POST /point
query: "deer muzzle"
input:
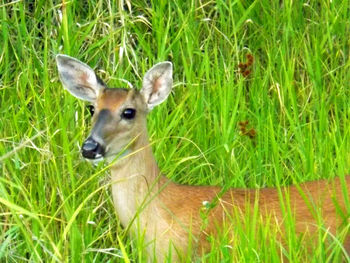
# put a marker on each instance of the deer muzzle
(92, 148)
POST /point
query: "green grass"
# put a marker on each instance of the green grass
(56, 207)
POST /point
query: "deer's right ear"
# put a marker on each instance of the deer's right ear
(157, 84)
(78, 78)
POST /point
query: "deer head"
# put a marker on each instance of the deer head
(119, 114)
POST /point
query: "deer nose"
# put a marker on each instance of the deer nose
(91, 149)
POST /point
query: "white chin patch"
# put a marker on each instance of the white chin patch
(99, 158)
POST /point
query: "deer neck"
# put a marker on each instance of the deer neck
(134, 177)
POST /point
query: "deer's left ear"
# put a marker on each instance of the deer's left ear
(157, 84)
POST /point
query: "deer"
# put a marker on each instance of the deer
(167, 211)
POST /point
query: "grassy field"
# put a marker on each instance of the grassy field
(295, 95)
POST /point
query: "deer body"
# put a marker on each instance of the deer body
(169, 214)
(174, 210)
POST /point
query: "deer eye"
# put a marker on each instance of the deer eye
(91, 109)
(128, 113)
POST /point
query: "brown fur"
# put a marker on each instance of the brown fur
(185, 203)
(166, 212)
(111, 98)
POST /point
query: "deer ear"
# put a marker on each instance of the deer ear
(78, 78)
(157, 84)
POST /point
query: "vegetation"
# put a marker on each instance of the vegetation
(283, 66)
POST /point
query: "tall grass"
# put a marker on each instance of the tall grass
(56, 207)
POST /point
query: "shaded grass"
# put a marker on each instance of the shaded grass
(296, 98)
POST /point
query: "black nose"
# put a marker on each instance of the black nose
(91, 149)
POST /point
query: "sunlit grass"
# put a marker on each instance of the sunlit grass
(56, 207)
